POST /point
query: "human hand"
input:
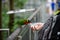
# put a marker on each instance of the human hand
(37, 26)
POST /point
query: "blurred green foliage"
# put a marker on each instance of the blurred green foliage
(18, 4)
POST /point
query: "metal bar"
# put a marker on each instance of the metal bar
(34, 13)
(5, 30)
(19, 11)
(14, 35)
(30, 34)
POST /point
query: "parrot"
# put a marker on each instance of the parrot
(23, 22)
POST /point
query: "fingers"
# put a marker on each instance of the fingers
(33, 28)
(37, 26)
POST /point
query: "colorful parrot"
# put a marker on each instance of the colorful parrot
(23, 22)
